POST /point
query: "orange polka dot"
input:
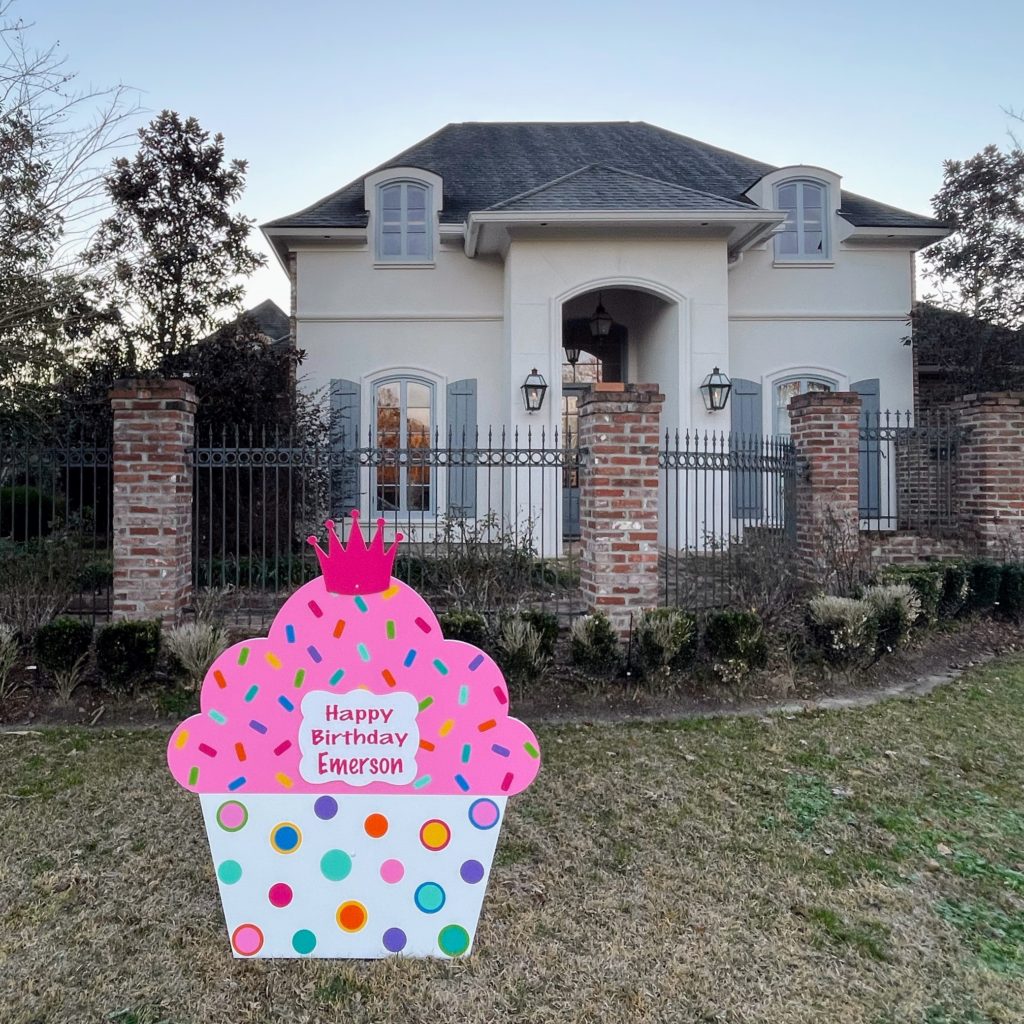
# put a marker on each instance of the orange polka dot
(351, 916)
(376, 825)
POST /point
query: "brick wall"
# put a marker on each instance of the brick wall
(885, 547)
(152, 516)
(825, 430)
(619, 435)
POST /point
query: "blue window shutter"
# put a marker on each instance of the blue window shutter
(345, 440)
(870, 490)
(462, 441)
(745, 444)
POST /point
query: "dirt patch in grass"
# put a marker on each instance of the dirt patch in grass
(856, 866)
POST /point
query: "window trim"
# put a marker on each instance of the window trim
(404, 378)
(404, 258)
(824, 258)
(778, 380)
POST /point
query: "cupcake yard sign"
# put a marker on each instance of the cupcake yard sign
(353, 768)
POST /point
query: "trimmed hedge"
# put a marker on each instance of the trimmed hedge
(1011, 593)
(61, 643)
(126, 651)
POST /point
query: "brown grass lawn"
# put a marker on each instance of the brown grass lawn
(859, 866)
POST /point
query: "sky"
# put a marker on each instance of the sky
(313, 94)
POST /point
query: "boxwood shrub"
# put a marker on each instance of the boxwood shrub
(927, 584)
(62, 642)
(985, 579)
(1011, 593)
(956, 590)
(843, 629)
(470, 627)
(736, 643)
(594, 644)
(126, 651)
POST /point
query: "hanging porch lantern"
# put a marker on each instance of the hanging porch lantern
(715, 390)
(600, 322)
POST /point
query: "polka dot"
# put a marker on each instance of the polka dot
(232, 816)
(335, 865)
(303, 942)
(453, 940)
(376, 825)
(351, 916)
(285, 837)
(394, 940)
(429, 897)
(484, 813)
(435, 834)
(247, 940)
(471, 871)
(325, 808)
(392, 871)
(229, 872)
(280, 894)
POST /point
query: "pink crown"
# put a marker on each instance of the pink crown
(357, 569)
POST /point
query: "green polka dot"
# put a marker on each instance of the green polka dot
(304, 942)
(453, 940)
(335, 864)
(229, 872)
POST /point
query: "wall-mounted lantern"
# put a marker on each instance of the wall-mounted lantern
(572, 353)
(534, 388)
(715, 390)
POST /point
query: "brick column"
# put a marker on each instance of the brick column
(990, 472)
(619, 433)
(153, 431)
(825, 433)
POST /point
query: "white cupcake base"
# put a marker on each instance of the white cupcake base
(351, 875)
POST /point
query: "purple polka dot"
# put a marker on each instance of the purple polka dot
(472, 871)
(325, 808)
(394, 940)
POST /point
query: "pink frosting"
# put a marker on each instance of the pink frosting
(246, 738)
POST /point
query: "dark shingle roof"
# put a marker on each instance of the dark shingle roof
(484, 164)
(598, 187)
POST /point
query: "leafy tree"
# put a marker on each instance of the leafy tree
(175, 250)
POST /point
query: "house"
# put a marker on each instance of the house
(426, 291)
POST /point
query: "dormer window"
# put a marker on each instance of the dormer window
(804, 235)
(404, 222)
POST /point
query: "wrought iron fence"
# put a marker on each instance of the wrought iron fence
(483, 517)
(56, 501)
(727, 515)
(908, 468)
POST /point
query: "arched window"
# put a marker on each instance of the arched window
(786, 390)
(804, 235)
(404, 228)
(403, 420)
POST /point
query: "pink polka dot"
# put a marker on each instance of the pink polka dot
(280, 894)
(247, 939)
(392, 871)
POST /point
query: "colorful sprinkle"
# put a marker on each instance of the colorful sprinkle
(314, 654)
(425, 626)
(462, 783)
(247, 940)
(285, 837)
(299, 677)
(388, 677)
(315, 609)
(243, 655)
(258, 726)
(205, 748)
(423, 780)
(240, 751)
(325, 808)
(499, 692)
(232, 816)
(466, 751)
(303, 942)
(336, 678)
(285, 703)
(251, 692)
(435, 834)
(285, 780)
(471, 871)
(182, 739)
(363, 652)
(489, 724)
(476, 663)
(391, 629)
(394, 940)
(390, 593)
(376, 826)
(500, 750)
(219, 677)
(426, 745)
(272, 660)
(229, 872)
(425, 703)
(531, 750)
(193, 775)
(361, 605)
(507, 782)
(351, 916)
(237, 783)
(218, 717)
(484, 814)
(463, 694)
(335, 865)
(339, 628)
(453, 940)
(441, 666)
(392, 871)
(289, 634)
(447, 727)
(409, 659)
(280, 894)
(429, 897)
